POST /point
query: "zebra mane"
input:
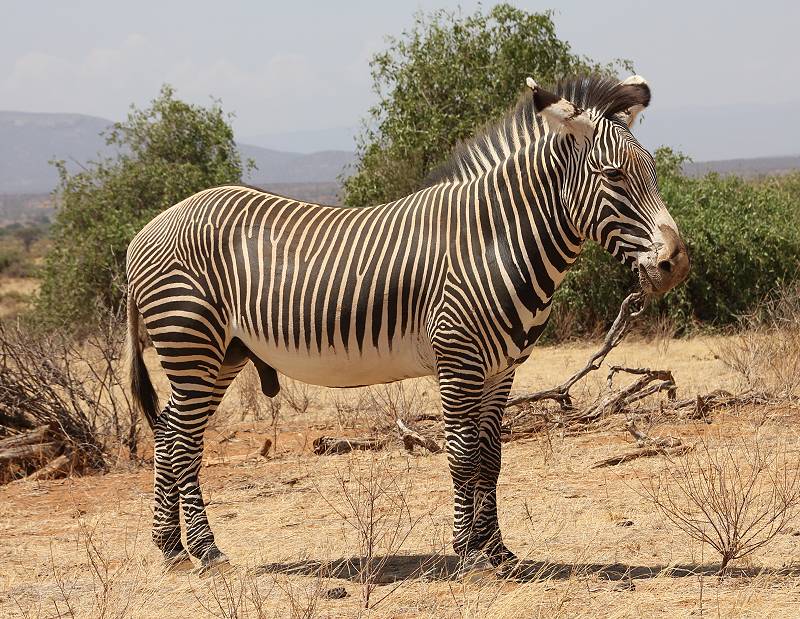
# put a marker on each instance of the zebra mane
(494, 141)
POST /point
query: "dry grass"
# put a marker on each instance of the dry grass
(765, 353)
(80, 547)
(16, 294)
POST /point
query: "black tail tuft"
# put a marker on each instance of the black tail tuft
(141, 387)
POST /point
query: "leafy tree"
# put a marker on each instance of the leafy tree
(442, 80)
(166, 153)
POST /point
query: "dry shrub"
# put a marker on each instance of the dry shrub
(110, 581)
(733, 494)
(393, 401)
(662, 332)
(235, 594)
(766, 349)
(352, 407)
(251, 398)
(296, 395)
(303, 602)
(373, 502)
(76, 388)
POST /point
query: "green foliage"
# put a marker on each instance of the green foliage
(8, 259)
(743, 239)
(441, 81)
(16, 242)
(166, 153)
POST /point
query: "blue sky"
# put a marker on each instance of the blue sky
(288, 67)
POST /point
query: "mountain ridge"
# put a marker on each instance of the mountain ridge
(30, 140)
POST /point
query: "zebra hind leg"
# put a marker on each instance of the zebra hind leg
(192, 404)
(166, 498)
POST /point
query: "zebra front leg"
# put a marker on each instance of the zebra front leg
(166, 499)
(486, 526)
(461, 399)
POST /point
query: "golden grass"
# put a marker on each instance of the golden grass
(16, 294)
(81, 547)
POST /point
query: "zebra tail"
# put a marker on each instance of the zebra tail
(144, 394)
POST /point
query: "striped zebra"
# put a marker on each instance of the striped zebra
(455, 280)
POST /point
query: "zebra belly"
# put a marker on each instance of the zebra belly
(333, 367)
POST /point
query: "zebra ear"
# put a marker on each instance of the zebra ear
(636, 93)
(559, 113)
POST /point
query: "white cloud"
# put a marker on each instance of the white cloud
(284, 92)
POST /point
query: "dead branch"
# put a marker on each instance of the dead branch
(37, 454)
(29, 453)
(699, 406)
(58, 467)
(642, 440)
(642, 452)
(326, 445)
(411, 437)
(618, 401)
(628, 311)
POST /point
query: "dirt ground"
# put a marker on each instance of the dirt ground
(592, 545)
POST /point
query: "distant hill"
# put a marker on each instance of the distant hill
(274, 166)
(25, 208)
(748, 168)
(28, 141)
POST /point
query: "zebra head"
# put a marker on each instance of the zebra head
(610, 187)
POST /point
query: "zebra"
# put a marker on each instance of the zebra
(455, 280)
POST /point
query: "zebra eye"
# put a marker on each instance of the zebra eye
(613, 174)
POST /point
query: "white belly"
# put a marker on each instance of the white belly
(333, 367)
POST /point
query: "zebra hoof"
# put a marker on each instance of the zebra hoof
(505, 561)
(177, 561)
(473, 567)
(214, 561)
(509, 569)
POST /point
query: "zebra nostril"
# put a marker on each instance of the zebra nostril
(665, 265)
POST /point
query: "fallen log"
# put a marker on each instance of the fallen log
(411, 438)
(37, 435)
(30, 453)
(326, 445)
(58, 467)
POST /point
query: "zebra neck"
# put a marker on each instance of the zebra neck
(521, 201)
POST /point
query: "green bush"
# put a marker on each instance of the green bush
(441, 80)
(166, 153)
(743, 239)
(8, 259)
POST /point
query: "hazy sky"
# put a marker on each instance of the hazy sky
(298, 65)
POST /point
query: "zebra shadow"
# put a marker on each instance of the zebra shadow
(437, 567)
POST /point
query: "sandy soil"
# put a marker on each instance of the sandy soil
(592, 545)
